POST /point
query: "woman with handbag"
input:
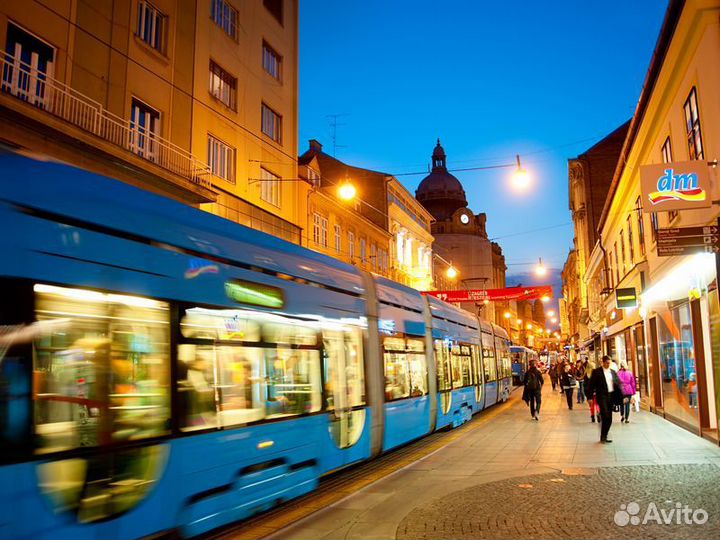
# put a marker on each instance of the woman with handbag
(627, 385)
(568, 384)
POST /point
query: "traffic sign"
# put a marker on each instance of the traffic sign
(688, 240)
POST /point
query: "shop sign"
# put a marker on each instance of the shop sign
(493, 295)
(614, 316)
(626, 298)
(688, 240)
(683, 185)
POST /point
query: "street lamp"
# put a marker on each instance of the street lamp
(540, 269)
(347, 191)
(519, 322)
(520, 178)
(550, 313)
(553, 320)
(507, 314)
(451, 272)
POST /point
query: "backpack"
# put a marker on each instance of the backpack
(532, 383)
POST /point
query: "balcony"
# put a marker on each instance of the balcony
(139, 145)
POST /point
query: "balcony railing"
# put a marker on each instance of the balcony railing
(42, 90)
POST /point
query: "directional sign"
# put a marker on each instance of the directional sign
(688, 240)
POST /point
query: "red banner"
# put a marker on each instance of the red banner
(493, 295)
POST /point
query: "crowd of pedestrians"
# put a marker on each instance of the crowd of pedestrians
(606, 388)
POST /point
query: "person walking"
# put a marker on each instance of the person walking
(553, 377)
(532, 393)
(592, 403)
(568, 383)
(559, 372)
(579, 374)
(627, 383)
(605, 388)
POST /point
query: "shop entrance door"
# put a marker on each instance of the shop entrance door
(654, 364)
(700, 373)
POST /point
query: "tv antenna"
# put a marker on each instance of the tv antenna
(334, 124)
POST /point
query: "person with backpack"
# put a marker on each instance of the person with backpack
(532, 393)
(553, 376)
(568, 384)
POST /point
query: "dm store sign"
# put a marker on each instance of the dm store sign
(675, 186)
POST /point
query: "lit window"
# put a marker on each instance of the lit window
(269, 187)
(221, 159)
(363, 250)
(351, 244)
(320, 230)
(272, 61)
(271, 123)
(692, 126)
(151, 25)
(338, 239)
(223, 86)
(405, 368)
(144, 128)
(225, 16)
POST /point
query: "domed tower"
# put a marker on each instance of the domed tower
(440, 192)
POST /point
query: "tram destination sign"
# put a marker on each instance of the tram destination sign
(688, 240)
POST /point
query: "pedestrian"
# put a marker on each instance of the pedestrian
(568, 383)
(579, 374)
(604, 386)
(553, 377)
(592, 403)
(627, 383)
(559, 372)
(532, 393)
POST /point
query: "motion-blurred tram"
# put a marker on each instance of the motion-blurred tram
(520, 357)
(165, 369)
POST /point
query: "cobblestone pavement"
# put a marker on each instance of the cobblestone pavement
(591, 505)
(516, 478)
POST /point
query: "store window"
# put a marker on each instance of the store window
(238, 367)
(405, 368)
(677, 362)
(103, 375)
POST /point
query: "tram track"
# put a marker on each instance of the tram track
(344, 483)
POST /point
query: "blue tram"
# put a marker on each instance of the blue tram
(164, 369)
(521, 357)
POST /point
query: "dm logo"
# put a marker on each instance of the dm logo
(677, 187)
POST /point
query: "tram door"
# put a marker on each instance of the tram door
(478, 368)
(345, 385)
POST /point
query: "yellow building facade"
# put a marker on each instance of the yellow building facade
(672, 340)
(196, 100)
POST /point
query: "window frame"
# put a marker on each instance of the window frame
(268, 51)
(221, 23)
(405, 338)
(230, 158)
(641, 226)
(270, 187)
(277, 11)
(276, 121)
(693, 131)
(320, 230)
(158, 41)
(220, 79)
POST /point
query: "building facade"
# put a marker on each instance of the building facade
(461, 239)
(193, 99)
(672, 339)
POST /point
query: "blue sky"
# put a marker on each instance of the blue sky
(545, 80)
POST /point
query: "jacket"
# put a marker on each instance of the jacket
(567, 380)
(532, 372)
(597, 386)
(627, 382)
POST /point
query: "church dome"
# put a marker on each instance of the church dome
(440, 192)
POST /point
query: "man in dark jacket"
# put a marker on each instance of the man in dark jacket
(532, 393)
(604, 385)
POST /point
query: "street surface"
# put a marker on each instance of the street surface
(514, 478)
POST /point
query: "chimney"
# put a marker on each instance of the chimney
(315, 145)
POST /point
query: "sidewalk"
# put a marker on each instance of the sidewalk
(516, 478)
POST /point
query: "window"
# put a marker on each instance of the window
(236, 367)
(272, 61)
(462, 372)
(667, 158)
(622, 252)
(351, 244)
(617, 265)
(28, 64)
(373, 256)
(271, 123)
(363, 250)
(269, 187)
(631, 247)
(225, 16)
(338, 239)
(320, 230)
(692, 127)
(275, 7)
(103, 375)
(313, 176)
(223, 86)
(144, 128)
(221, 159)
(503, 358)
(151, 25)
(405, 368)
(488, 351)
(654, 224)
(640, 225)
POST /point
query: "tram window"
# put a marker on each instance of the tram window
(462, 366)
(397, 380)
(504, 364)
(248, 381)
(102, 374)
(489, 366)
(417, 367)
(442, 355)
(476, 356)
(344, 371)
